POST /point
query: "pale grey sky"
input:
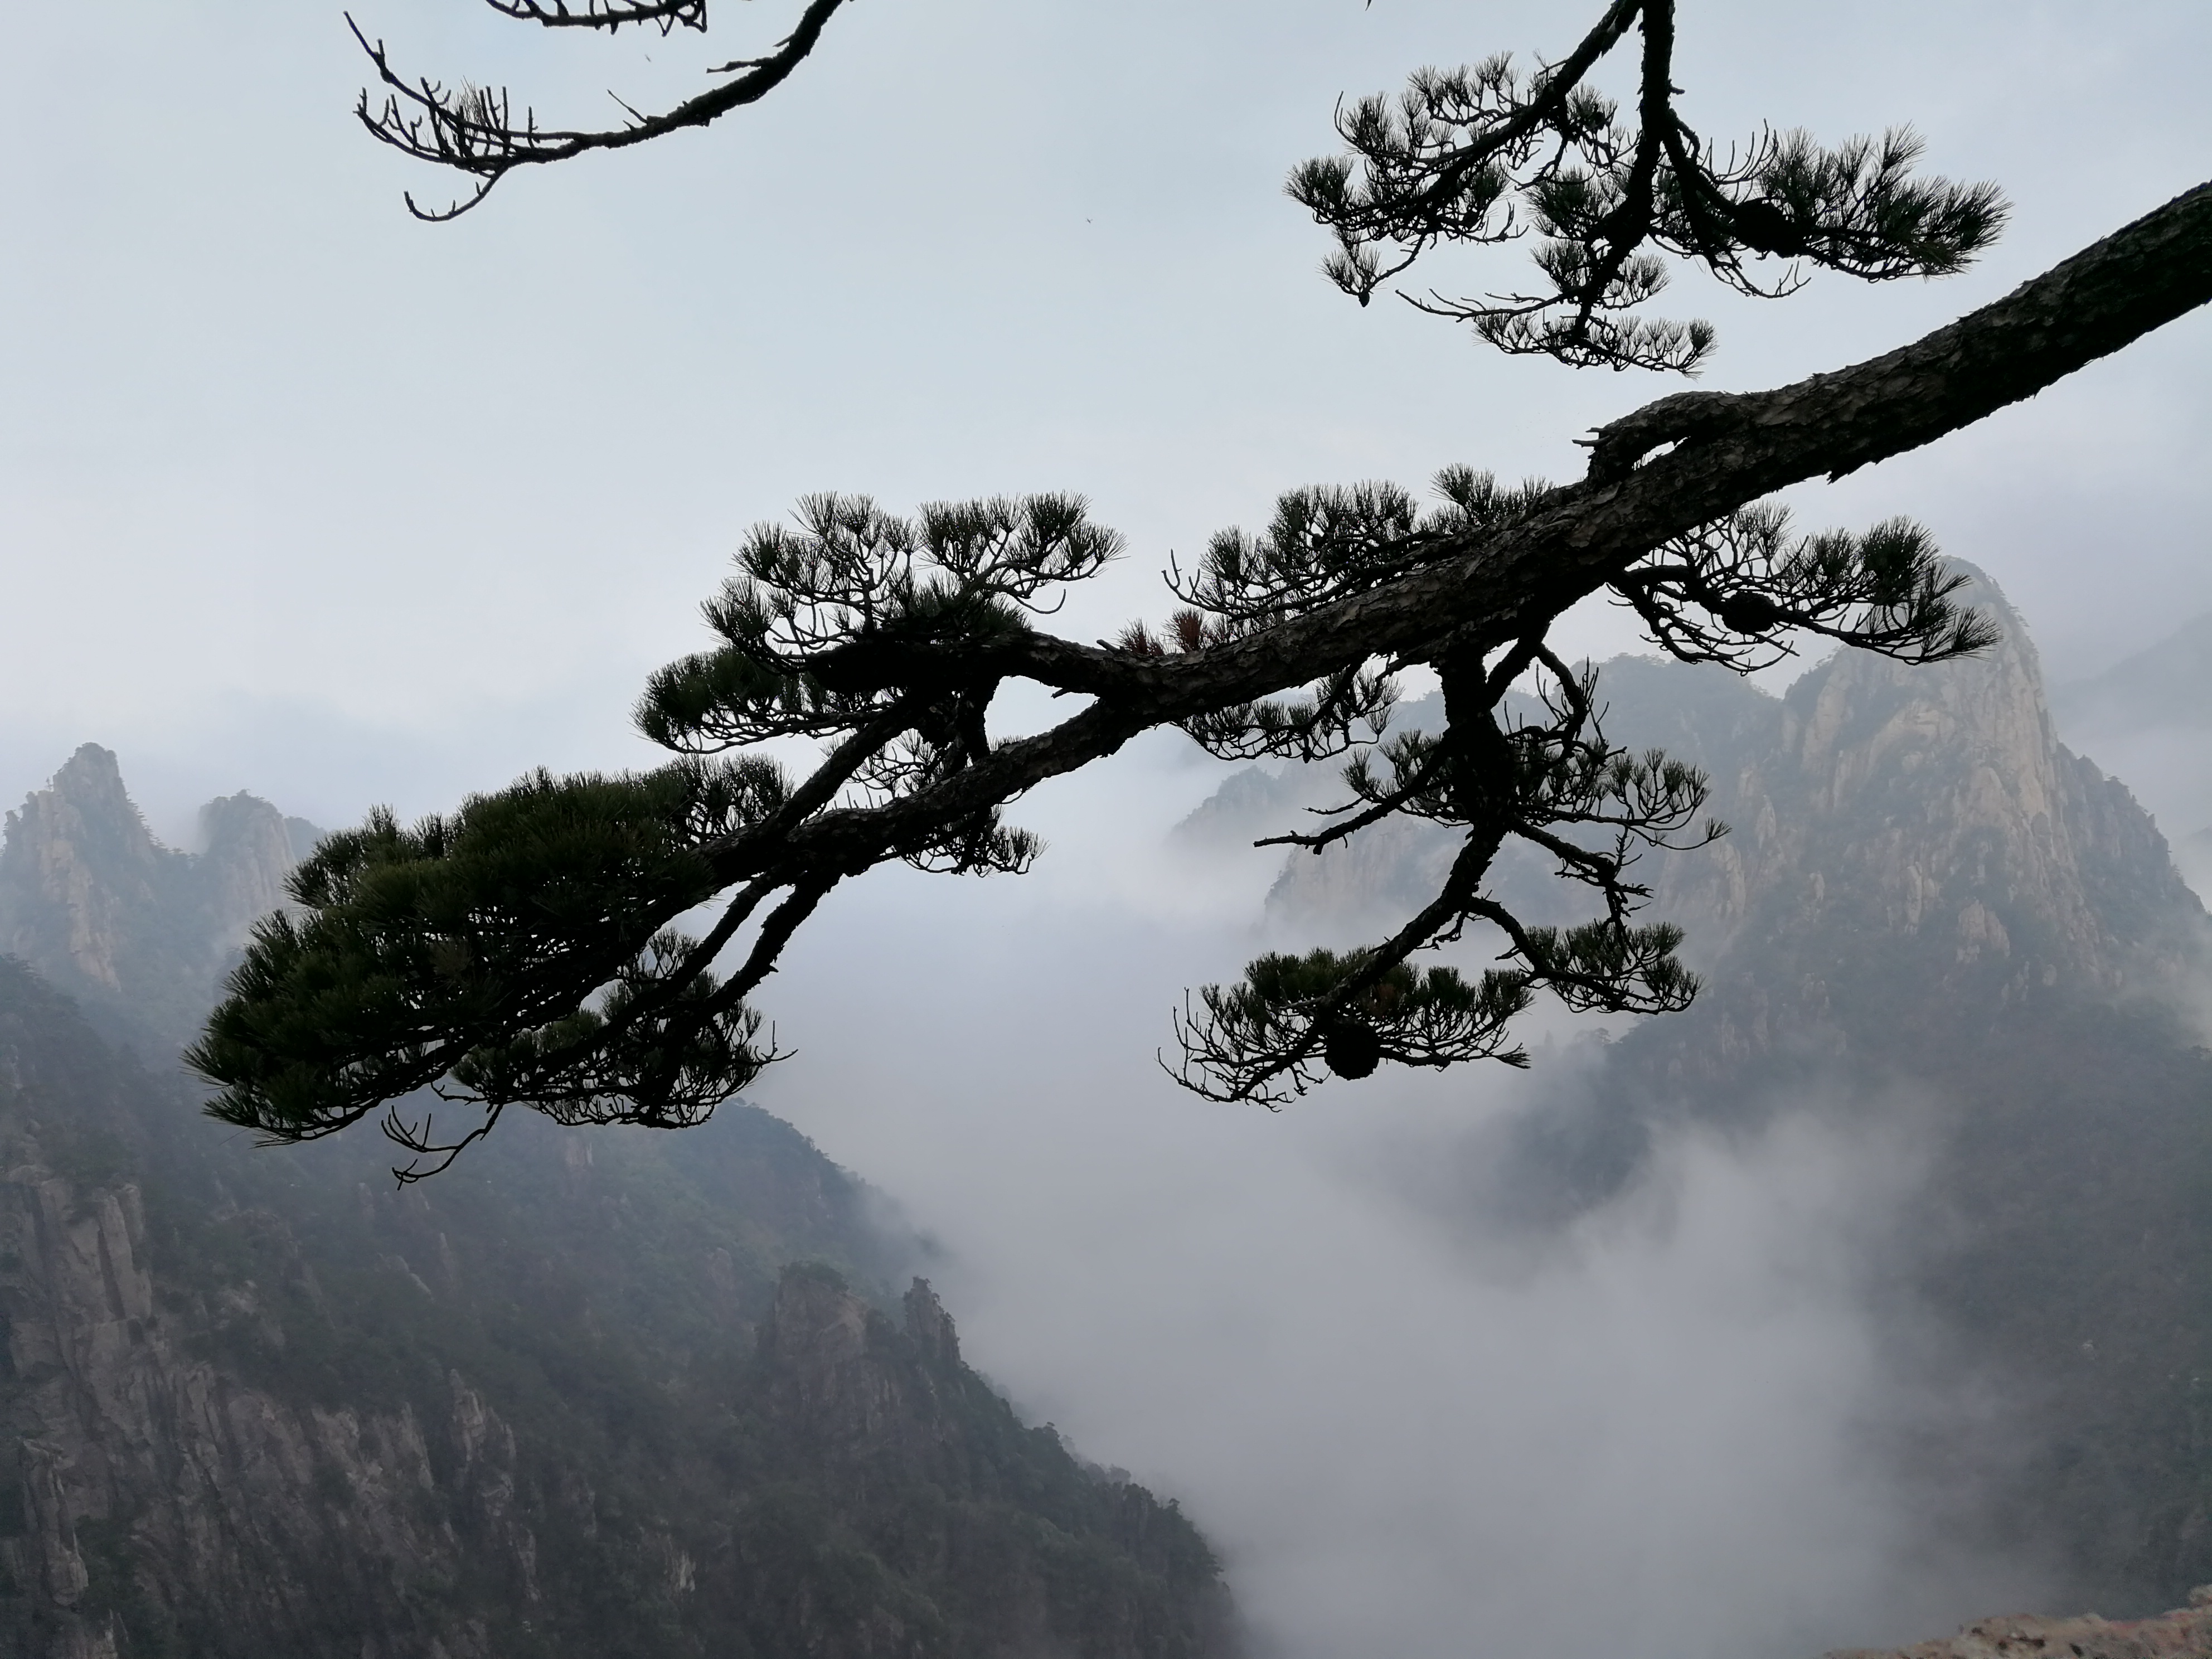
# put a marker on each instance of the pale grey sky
(299, 494)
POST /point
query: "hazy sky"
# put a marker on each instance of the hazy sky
(301, 495)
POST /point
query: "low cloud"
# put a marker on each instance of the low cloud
(1688, 1424)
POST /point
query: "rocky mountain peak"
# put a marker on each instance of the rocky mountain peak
(929, 1326)
(140, 931)
(78, 860)
(1929, 819)
(250, 850)
(87, 794)
(857, 1386)
(1864, 710)
(1889, 825)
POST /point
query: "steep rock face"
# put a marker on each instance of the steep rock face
(250, 847)
(255, 1407)
(1924, 827)
(80, 870)
(1890, 826)
(933, 1471)
(1926, 889)
(137, 931)
(1930, 908)
(165, 1505)
(572, 1399)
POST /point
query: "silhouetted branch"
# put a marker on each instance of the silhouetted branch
(1487, 154)
(474, 130)
(520, 951)
(523, 951)
(607, 15)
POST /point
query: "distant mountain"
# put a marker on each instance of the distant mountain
(2151, 717)
(1347, 893)
(589, 1396)
(138, 931)
(2166, 684)
(1920, 815)
(1915, 848)
(1924, 896)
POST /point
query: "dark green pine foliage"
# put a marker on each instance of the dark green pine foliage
(464, 937)
(1491, 151)
(523, 951)
(1522, 765)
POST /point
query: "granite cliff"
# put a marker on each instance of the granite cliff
(586, 1394)
(1916, 847)
(137, 932)
(1926, 820)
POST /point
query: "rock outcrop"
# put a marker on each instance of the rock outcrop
(274, 1410)
(164, 1499)
(2183, 1633)
(140, 932)
(1889, 826)
(1928, 822)
(1929, 911)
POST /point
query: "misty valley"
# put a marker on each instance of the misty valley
(1870, 1295)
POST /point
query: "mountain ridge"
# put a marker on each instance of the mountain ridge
(588, 1393)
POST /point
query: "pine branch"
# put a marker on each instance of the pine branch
(522, 950)
(1485, 153)
(474, 130)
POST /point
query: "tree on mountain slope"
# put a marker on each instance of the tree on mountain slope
(521, 952)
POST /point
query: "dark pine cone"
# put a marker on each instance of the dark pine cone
(1351, 1049)
(1748, 613)
(1767, 228)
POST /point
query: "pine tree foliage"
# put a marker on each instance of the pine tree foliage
(586, 947)
(1491, 153)
(446, 957)
(1555, 783)
(1734, 590)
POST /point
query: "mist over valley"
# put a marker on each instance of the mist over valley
(1858, 1301)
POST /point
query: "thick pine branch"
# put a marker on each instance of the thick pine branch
(1730, 450)
(936, 643)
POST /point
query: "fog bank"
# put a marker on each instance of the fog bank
(1683, 1427)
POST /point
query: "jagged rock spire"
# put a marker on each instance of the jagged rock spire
(137, 929)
